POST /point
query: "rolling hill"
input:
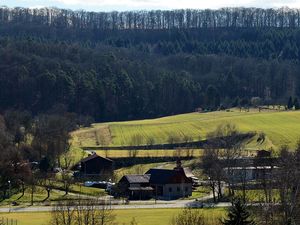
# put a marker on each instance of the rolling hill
(280, 127)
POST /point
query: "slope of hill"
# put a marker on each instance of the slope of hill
(132, 65)
(280, 128)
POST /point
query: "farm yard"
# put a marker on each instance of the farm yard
(280, 128)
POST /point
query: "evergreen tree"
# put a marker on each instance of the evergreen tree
(236, 102)
(296, 104)
(238, 215)
(290, 103)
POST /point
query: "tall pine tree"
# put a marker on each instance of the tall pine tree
(296, 104)
(238, 215)
(290, 103)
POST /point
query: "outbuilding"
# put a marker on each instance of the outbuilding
(95, 166)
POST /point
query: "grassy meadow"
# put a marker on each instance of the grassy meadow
(280, 127)
(142, 216)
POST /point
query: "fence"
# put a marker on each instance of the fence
(6, 221)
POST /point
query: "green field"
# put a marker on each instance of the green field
(150, 153)
(282, 127)
(142, 216)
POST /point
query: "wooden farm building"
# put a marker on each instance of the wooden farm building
(95, 166)
(136, 187)
(157, 183)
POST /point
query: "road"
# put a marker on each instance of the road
(133, 205)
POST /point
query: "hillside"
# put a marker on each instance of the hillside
(124, 66)
(280, 128)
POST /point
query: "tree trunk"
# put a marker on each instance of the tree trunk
(23, 192)
(48, 193)
(220, 189)
(214, 192)
(32, 190)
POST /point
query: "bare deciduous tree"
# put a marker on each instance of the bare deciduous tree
(187, 138)
(136, 140)
(173, 138)
(67, 180)
(213, 169)
(226, 136)
(190, 216)
(150, 141)
(288, 182)
(83, 212)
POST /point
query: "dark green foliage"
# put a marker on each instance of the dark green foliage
(290, 103)
(45, 165)
(99, 71)
(296, 104)
(238, 215)
(212, 97)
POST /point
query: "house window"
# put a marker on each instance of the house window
(178, 189)
(170, 189)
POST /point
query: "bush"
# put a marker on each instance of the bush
(190, 216)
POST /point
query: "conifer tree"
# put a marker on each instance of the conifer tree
(296, 104)
(290, 103)
(238, 215)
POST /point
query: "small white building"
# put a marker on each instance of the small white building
(249, 173)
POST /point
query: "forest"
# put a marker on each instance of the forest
(134, 65)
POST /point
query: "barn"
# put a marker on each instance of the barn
(95, 166)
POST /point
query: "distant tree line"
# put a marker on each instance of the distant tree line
(157, 19)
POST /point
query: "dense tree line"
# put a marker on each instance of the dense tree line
(91, 82)
(242, 32)
(158, 19)
(109, 83)
(54, 57)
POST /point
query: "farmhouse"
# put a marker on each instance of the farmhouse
(170, 184)
(136, 187)
(158, 183)
(95, 166)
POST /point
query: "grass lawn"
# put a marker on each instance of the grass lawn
(258, 195)
(200, 192)
(142, 216)
(40, 194)
(78, 188)
(280, 127)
